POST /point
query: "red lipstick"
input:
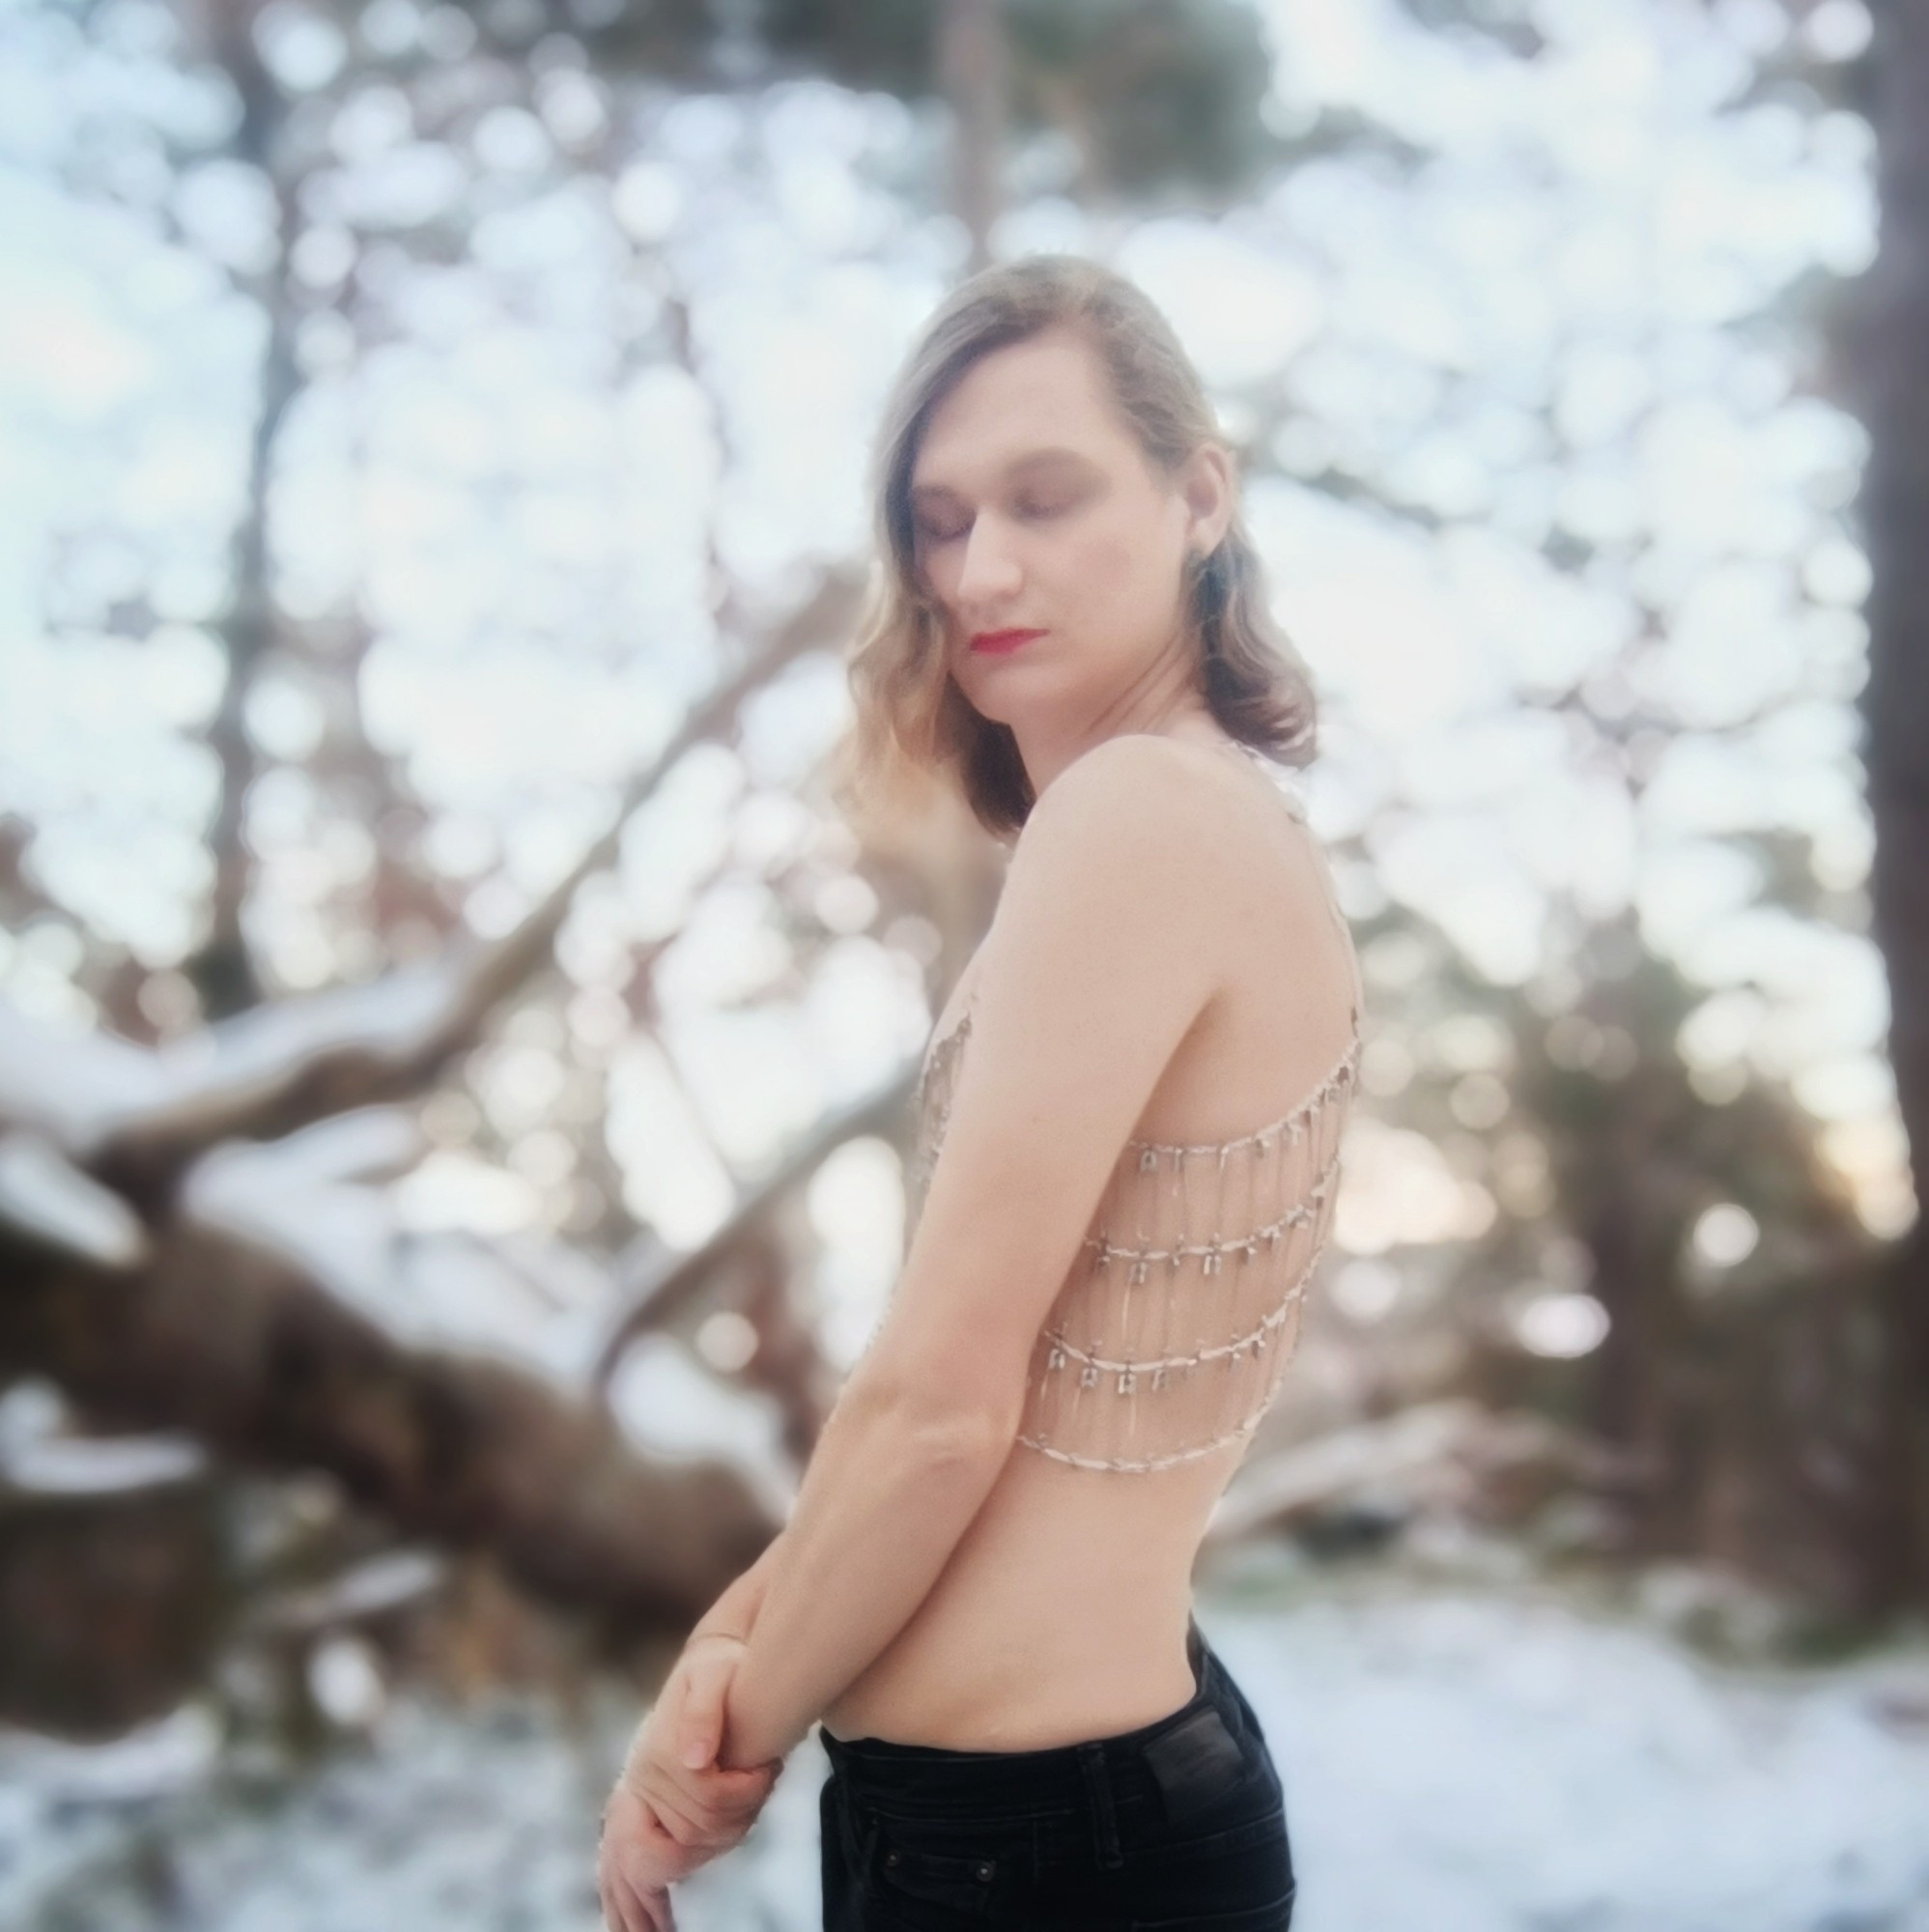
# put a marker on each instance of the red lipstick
(999, 642)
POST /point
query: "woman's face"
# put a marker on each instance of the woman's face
(1033, 508)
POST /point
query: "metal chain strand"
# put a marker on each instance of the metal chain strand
(1215, 1243)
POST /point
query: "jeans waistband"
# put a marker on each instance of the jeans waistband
(908, 1777)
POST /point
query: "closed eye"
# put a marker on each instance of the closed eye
(1033, 511)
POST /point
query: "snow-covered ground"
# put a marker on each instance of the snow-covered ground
(1456, 1759)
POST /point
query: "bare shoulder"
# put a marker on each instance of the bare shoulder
(1191, 847)
(1138, 799)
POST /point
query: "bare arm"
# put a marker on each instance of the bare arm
(884, 1503)
(730, 1619)
(735, 1611)
(1081, 1002)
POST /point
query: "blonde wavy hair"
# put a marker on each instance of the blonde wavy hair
(913, 723)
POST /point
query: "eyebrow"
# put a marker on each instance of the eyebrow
(1032, 459)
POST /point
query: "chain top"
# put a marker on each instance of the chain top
(1170, 1334)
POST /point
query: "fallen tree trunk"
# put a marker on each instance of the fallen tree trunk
(235, 1346)
(1450, 1454)
(151, 1317)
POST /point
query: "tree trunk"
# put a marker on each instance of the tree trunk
(237, 1347)
(972, 66)
(1885, 362)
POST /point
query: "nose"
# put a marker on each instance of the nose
(989, 573)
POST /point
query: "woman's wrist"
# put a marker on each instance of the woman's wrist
(734, 1612)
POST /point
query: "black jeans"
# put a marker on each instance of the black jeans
(1181, 1824)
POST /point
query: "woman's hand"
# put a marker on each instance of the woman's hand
(674, 1760)
(674, 1808)
(635, 1865)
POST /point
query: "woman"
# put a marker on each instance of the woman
(1129, 1127)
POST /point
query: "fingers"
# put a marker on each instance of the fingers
(653, 1908)
(620, 1911)
(709, 1808)
(649, 1907)
(716, 1808)
(690, 1829)
(638, 1844)
(698, 1727)
(675, 1805)
(698, 1824)
(665, 1857)
(688, 1806)
(712, 1792)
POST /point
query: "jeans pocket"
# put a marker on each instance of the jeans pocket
(956, 1869)
(1202, 1848)
(843, 1858)
(1234, 1878)
(1276, 1916)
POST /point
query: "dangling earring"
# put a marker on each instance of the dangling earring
(1210, 575)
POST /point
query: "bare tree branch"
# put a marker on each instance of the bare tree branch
(267, 1073)
(663, 1296)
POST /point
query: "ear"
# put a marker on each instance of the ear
(1210, 490)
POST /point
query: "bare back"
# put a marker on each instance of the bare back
(1062, 1613)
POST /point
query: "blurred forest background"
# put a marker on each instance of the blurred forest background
(454, 1055)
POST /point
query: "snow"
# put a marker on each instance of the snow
(109, 1466)
(369, 1588)
(44, 1196)
(70, 1084)
(525, 1296)
(80, 1087)
(1455, 1758)
(38, 1456)
(1462, 1764)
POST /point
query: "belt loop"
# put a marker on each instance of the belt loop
(1099, 1782)
(859, 1830)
